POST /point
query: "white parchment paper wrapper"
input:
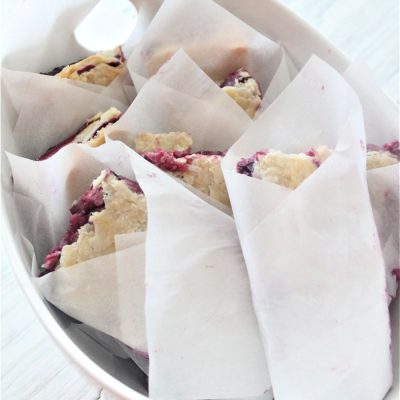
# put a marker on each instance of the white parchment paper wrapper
(284, 74)
(199, 315)
(130, 244)
(313, 254)
(49, 110)
(381, 118)
(97, 292)
(216, 40)
(211, 361)
(47, 41)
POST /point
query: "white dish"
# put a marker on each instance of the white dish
(121, 377)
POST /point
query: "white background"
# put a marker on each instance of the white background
(33, 368)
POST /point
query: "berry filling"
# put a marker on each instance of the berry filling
(236, 77)
(393, 148)
(90, 201)
(176, 161)
(86, 68)
(396, 273)
(312, 153)
(167, 161)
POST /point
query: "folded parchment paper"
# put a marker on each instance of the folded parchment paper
(199, 315)
(313, 254)
(202, 333)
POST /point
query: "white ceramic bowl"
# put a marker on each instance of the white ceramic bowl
(121, 377)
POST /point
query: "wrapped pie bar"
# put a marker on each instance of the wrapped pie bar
(100, 69)
(113, 205)
(91, 133)
(82, 275)
(310, 241)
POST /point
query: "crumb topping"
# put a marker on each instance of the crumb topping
(180, 143)
(289, 170)
(204, 173)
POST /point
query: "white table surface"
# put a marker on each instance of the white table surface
(33, 367)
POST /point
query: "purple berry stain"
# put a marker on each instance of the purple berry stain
(396, 273)
(246, 165)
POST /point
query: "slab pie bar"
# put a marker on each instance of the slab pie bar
(244, 89)
(171, 152)
(290, 170)
(113, 205)
(100, 68)
(91, 133)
